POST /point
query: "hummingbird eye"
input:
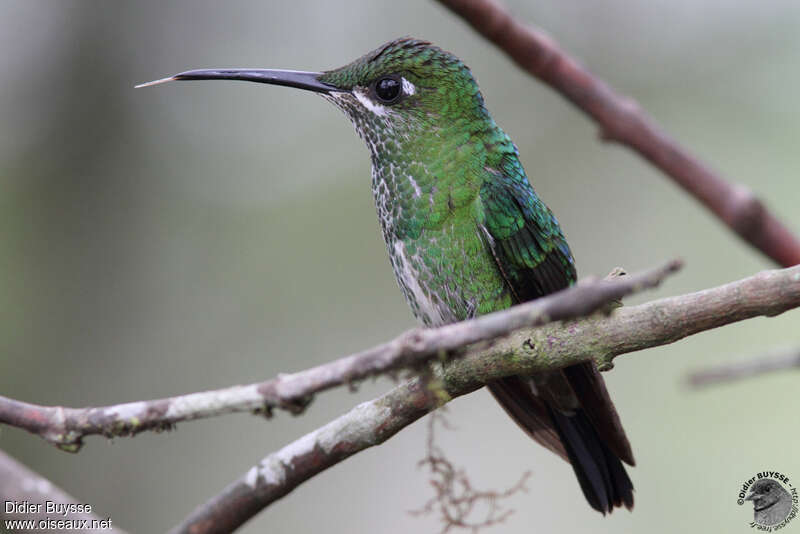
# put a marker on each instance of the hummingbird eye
(387, 89)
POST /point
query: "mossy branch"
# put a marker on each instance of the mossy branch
(66, 427)
(529, 350)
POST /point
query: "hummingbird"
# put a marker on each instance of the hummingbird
(466, 233)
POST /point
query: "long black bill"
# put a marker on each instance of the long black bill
(289, 78)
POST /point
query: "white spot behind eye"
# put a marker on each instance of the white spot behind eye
(408, 87)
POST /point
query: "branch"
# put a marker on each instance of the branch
(621, 120)
(66, 427)
(737, 371)
(524, 352)
(19, 484)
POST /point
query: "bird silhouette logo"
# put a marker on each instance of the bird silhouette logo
(775, 500)
(771, 503)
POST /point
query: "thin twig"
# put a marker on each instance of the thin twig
(731, 372)
(526, 351)
(455, 498)
(25, 496)
(621, 120)
(66, 427)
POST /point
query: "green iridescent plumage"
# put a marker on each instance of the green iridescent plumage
(450, 190)
(466, 233)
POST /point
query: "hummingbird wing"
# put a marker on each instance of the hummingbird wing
(573, 405)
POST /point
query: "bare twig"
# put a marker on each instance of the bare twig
(621, 120)
(739, 370)
(28, 494)
(526, 351)
(455, 498)
(66, 427)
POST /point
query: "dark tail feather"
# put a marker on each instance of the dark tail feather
(600, 472)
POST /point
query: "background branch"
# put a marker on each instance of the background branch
(621, 120)
(739, 370)
(18, 483)
(66, 427)
(526, 351)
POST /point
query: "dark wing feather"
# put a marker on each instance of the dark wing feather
(601, 412)
(534, 259)
(526, 239)
(517, 253)
(528, 411)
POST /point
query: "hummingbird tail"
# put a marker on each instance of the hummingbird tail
(600, 472)
(586, 437)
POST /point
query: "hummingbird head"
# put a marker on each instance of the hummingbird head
(406, 92)
(406, 89)
(423, 118)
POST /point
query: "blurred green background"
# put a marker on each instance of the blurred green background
(193, 236)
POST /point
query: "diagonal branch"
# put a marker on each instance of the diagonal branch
(621, 120)
(66, 427)
(28, 492)
(525, 351)
(736, 371)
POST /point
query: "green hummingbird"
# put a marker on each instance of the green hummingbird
(466, 233)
